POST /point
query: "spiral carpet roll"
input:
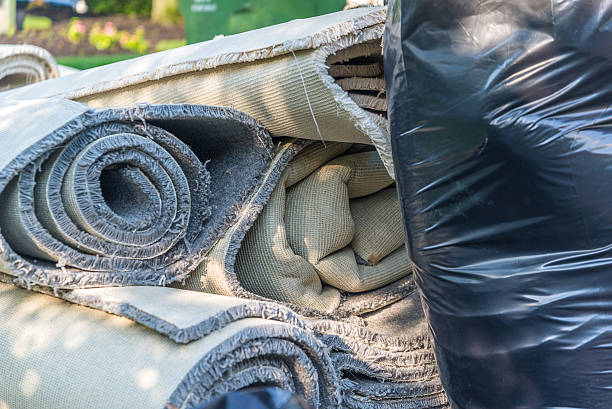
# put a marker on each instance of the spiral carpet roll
(150, 194)
(229, 345)
(25, 64)
(121, 196)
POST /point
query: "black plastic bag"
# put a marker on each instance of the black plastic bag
(258, 398)
(501, 124)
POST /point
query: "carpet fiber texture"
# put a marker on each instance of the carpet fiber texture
(385, 359)
(105, 201)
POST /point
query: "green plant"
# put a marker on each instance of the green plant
(136, 42)
(108, 37)
(131, 7)
(103, 38)
(36, 23)
(76, 31)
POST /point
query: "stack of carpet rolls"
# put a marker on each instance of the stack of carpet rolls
(329, 244)
(298, 242)
(294, 94)
(97, 203)
(25, 64)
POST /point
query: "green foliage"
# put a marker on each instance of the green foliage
(76, 31)
(108, 38)
(136, 43)
(36, 23)
(131, 7)
(103, 38)
(165, 12)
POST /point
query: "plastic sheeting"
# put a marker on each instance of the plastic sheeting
(502, 140)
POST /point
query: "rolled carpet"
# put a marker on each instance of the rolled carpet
(331, 224)
(24, 64)
(124, 196)
(385, 359)
(53, 351)
(285, 76)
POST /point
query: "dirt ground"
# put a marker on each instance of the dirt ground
(55, 40)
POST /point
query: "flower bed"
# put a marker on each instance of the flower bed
(114, 34)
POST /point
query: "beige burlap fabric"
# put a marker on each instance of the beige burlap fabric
(376, 237)
(268, 266)
(320, 224)
(306, 245)
(54, 354)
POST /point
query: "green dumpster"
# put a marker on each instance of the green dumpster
(204, 19)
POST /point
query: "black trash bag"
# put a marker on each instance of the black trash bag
(259, 398)
(501, 124)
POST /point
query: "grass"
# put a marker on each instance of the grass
(36, 23)
(164, 45)
(89, 61)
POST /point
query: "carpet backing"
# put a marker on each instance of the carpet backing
(195, 254)
(91, 359)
